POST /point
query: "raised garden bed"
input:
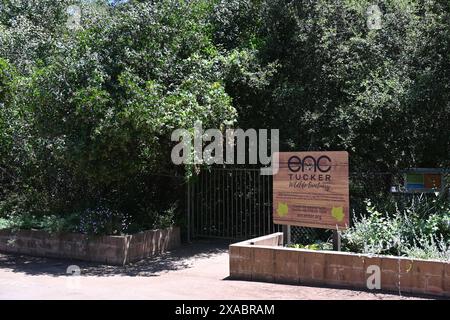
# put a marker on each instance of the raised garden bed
(265, 259)
(115, 250)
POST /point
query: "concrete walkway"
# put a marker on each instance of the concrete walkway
(196, 271)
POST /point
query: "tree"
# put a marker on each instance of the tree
(99, 107)
(379, 93)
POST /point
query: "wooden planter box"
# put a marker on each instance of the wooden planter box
(264, 259)
(115, 250)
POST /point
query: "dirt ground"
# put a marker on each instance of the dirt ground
(194, 271)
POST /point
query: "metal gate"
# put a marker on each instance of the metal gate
(233, 203)
(236, 203)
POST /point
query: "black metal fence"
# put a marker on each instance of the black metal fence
(236, 203)
(230, 203)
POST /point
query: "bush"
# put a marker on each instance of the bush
(91, 117)
(99, 220)
(314, 246)
(419, 227)
(49, 223)
(102, 220)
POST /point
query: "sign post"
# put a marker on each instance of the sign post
(336, 241)
(311, 189)
(287, 234)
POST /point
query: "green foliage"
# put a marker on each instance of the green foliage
(340, 85)
(86, 114)
(419, 228)
(49, 223)
(313, 246)
(92, 114)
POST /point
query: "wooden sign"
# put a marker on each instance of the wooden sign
(311, 190)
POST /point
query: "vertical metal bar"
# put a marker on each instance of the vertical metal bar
(200, 217)
(259, 204)
(197, 204)
(194, 207)
(255, 198)
(188, 211)
(255, 203)
(261, 208)
(213, 203)
(199, 207)
(221, 227)
(250, 200)
(223, 204)
(205, 224)
(238, 190)
(204, 207)
(239, 203)
(200, 202)
(209, 224)
(244, 209)
(262, 205)
(237, 195)
(266, 227)
(218, 222)
(216, 202)
(244, 217)
(232, 204)
(244, 194)
(269, 206)
(249, 203)
(235, 209)
(228, 203)
(214, 213)
(252, 203)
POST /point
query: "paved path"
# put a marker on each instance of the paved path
(197, 271)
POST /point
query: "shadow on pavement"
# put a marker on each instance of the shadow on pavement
(177, 259)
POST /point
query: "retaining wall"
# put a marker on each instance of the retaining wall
(116, 250)
(264, 259)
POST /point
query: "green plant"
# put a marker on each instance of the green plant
(418, 227)
(429, 248)
(313, 246)
(50, 223)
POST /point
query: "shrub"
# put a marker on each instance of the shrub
(419, 227)
(49, 223)
(102, 220)
(314, 246)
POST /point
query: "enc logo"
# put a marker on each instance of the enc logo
(309, 163)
